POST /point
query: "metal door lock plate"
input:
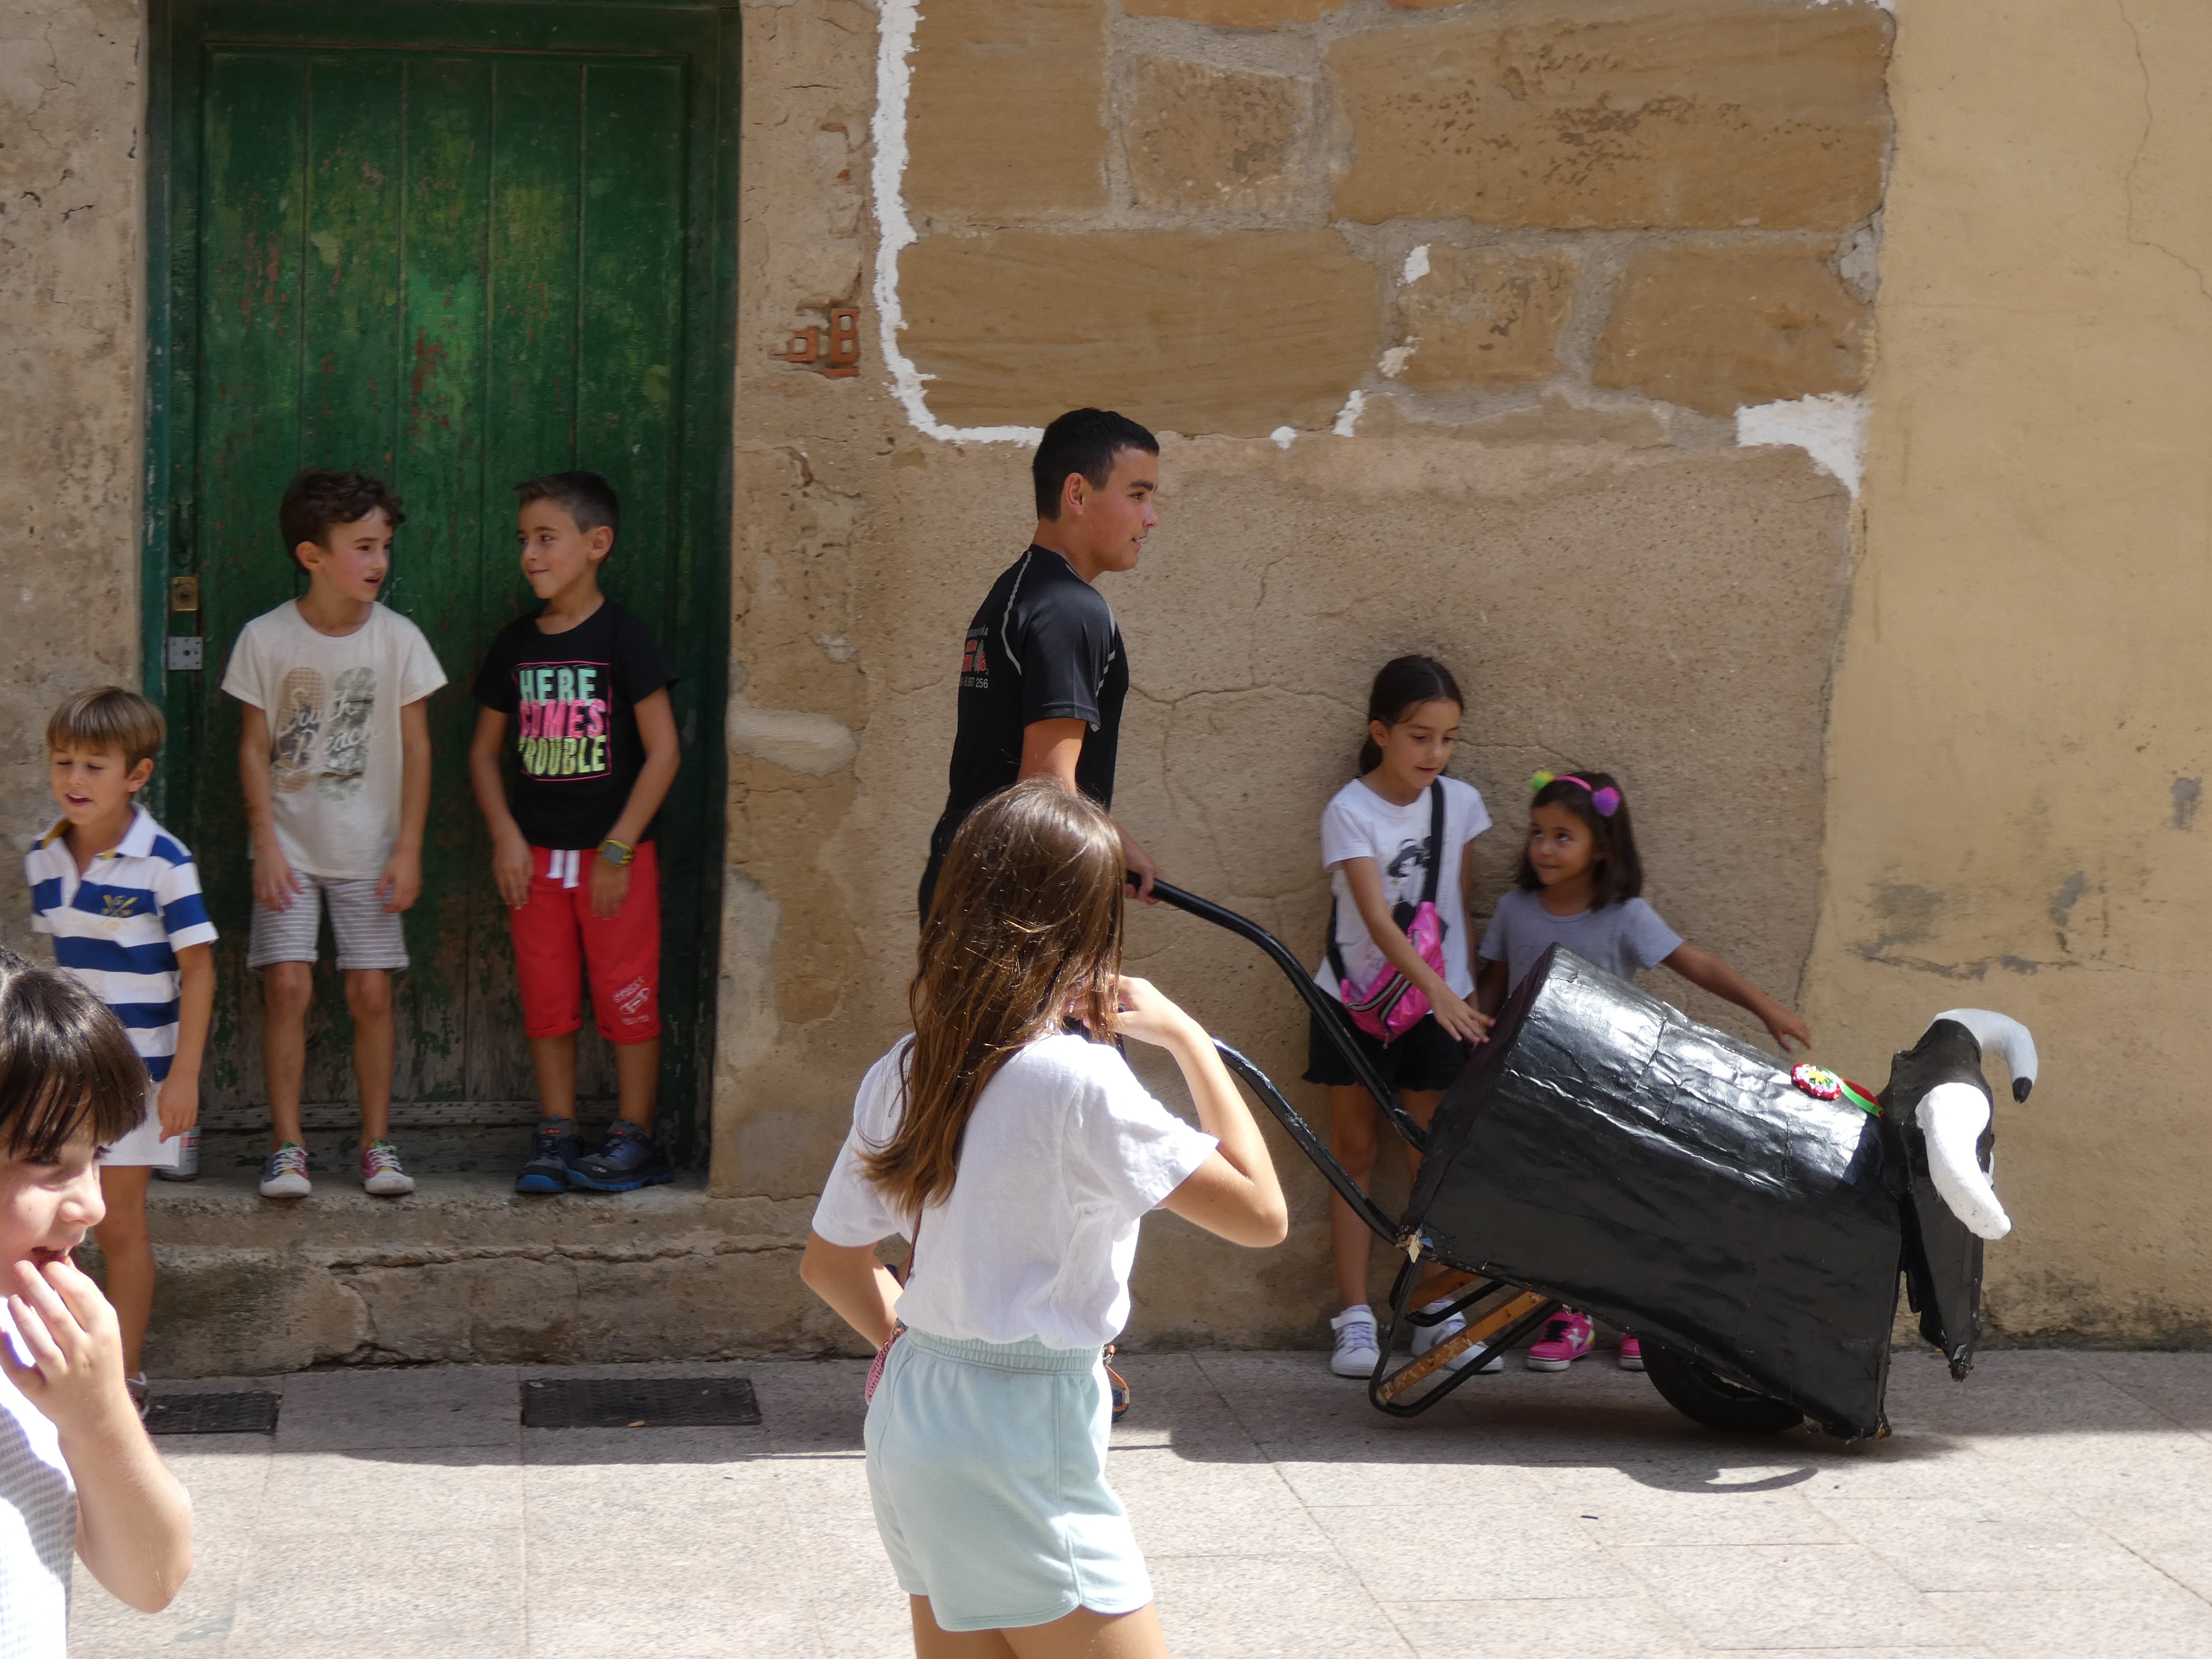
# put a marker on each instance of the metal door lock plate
(185, 653)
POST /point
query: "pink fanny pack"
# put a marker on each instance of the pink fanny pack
(1389, 1004)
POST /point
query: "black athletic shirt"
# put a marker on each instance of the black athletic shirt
(571, 701)
(1044, 646)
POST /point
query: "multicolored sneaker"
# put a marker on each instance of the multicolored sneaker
(554, 1149)
(1631, 1354)
(629, 1159)
(381, 1173)
(1567, 1337)
(285, 1174)
(1355, 1353)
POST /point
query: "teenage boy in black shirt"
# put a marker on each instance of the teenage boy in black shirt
(586, 688)
(1042, 675)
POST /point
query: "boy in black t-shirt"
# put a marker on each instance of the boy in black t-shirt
(1043, 674)
(586, 689)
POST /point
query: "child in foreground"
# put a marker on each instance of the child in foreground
(585, 686)
(334, 761)
(1580, 885)
(77, 1473)
(1383, 836)
(1010, 1133)
(121, 898)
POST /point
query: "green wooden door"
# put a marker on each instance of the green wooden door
(460, 245)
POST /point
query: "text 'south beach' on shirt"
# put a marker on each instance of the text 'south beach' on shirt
(571, 700)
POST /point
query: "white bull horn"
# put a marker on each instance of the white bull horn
(2005, 1036)
(1953, 1116)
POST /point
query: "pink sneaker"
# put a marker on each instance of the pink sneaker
(1631, 1354)
(1567, 1337)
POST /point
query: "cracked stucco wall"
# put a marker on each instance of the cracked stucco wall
(2019, 732)
(1615, 578)
(70, 353)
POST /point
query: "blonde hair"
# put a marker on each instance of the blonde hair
(1024, 933)
(109, 717)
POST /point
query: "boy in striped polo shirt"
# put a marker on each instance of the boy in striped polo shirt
(121, 897)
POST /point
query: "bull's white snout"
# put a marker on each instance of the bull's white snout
(1953, 1116)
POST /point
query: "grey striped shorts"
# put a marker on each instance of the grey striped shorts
(367, 935)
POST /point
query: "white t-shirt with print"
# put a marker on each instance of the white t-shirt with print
(38, 1525)
(1063, 1156)
(332, 702)
(1360, 824)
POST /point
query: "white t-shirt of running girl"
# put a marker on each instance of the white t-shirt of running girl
(38, 1525)
(1065, 1153)
(1360, 824)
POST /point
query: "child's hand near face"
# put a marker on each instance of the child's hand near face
(62, 1321)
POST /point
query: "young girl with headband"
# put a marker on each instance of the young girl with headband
(1395, 841)
(1008, 1137)
(1579, 885)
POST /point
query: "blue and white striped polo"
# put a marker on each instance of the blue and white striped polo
(119, 926)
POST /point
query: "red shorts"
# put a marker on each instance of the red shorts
(557, 941)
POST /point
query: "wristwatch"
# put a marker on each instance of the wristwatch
(617, 852)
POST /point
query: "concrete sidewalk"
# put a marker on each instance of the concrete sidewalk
(2054, 1503)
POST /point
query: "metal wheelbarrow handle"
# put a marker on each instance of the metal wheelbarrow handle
(1331, 1020)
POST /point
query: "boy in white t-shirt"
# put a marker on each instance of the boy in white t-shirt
(78, 1477)
(334, 757)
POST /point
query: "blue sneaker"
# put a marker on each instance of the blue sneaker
(630, 1159)
(554, 1149)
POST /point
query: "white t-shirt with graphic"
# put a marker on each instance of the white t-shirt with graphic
(1063, 1156)
(1360, 824)
(38, 1525)
(332, 702)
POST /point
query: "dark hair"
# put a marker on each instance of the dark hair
(65, 1062)
(1618, 875)
(109, 717)
(1084, 440)
(1024, 929)
(318, 497)
(586, 497)
(1404, 685)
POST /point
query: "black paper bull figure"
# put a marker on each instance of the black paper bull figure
(1748, 1223)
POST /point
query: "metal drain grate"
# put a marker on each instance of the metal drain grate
(213, 1414)
(623, 1403)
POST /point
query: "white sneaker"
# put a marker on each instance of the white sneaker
(381, 1173)
(1426, 1337)
(285, 1174)
(1355, 1353)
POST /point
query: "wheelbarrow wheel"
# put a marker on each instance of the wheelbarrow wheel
(1704, 1395)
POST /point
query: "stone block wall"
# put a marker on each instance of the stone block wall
(71, 357)
(1266, 215)
(1447, 313)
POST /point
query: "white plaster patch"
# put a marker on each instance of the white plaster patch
(1347, 418)
(887, 174)
(1417, 265)
(814, 744)
(1395, 359)
(1830, 428)
(1283, 436)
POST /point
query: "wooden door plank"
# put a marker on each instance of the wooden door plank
(351, 364)
(251, 238)
(446, 284)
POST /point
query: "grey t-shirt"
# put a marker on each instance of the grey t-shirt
(1620, 938)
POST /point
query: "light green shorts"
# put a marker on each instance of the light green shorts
(987, 1462)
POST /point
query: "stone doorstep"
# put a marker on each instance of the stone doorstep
(466, 1271)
